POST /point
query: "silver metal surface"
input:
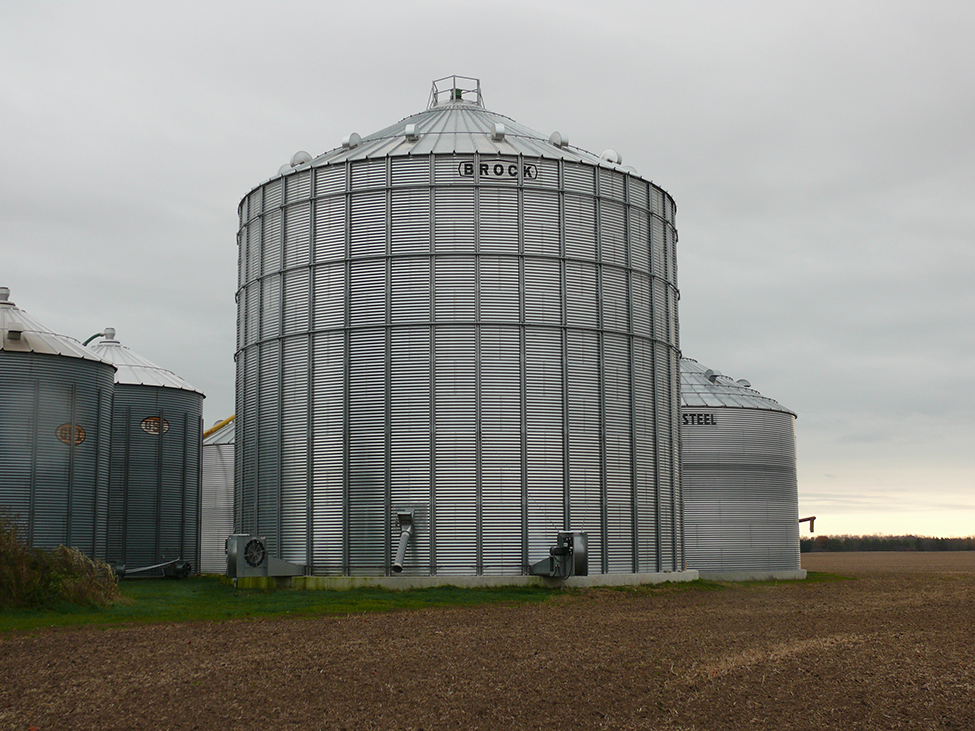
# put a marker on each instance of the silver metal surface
(739, 476)
(217, 508)
(55, 419)
(156, 469)
(480, 329)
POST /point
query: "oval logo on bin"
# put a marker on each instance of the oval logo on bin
(150, 425)
(63, 434)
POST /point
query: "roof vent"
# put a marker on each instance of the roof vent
(286, 168)
(350, 141)
(743, 383)
(711, 375)
(411, 134)
(498, 133)
(612, 156)
(300, 158)
(5, 294)
(109, 333)
(558, 139)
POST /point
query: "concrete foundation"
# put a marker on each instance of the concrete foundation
(402, 583)
(753, 575)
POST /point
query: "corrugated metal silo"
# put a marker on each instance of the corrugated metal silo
(465, 318)
(154, 495)
(217, 516)
(739, 478)
(55, 417)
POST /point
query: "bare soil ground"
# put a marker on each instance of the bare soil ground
(892, 649)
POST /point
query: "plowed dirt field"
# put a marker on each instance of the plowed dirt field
(892, 648)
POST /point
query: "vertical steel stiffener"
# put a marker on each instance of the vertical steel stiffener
(460, 317)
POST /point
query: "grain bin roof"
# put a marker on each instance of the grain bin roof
(133, 369)
(455, 121)
(703, 387)
(22, 333)
(224, 435)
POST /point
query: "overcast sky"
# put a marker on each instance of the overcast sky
(821, 154)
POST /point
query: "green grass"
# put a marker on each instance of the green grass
(208, 599)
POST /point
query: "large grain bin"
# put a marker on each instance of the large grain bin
(461, 317)
(217, 510)
(739, 478)
(55, 417)
(154, 496)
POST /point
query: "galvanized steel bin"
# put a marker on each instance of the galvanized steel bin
(154, 495)
(464, 318)
(55, 417)
(217, 513)
(739, 477)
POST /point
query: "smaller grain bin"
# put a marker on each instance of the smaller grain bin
(217, 516)
(55, 417)
(154, 493)
(738, 452)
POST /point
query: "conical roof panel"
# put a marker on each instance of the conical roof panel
(458, 125)
(224, 435)
(133, 369)
(703, 387)
(19, 332)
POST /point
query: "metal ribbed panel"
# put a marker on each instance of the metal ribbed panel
(487, 349)
(217, 508)
(612, 239)
(501, 475)
(453, 212)
(410, 171)
(740, 489)
(580, 227)
(328, 498)
(329, 180)
(542, 235)
(368, 232)
(330, 229)
(297, 238)
(410, 437)
(498, 221)
(367, 453)
(298, 186)
(57, 490)
(498, 288)
(411, 225)
(543, 437)
(295, 449)
(543, 299)
(455, 448)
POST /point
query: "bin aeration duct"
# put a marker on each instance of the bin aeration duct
(406, 528)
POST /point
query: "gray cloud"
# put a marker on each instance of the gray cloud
(820, 155)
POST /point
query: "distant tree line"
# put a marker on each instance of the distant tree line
(884, 543)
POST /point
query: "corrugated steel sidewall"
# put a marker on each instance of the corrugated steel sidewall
(154, 497)
(740, 490)
(57, 491)
(217, 513)
(497, 352)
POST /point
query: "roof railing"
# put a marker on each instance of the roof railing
(455, 88)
